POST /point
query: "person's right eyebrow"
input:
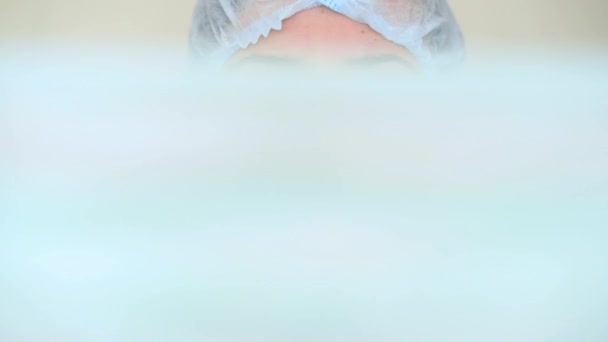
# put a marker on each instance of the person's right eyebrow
(267, 60)
(374, 60)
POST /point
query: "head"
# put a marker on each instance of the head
(409, 33)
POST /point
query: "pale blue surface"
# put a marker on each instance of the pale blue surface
(139, 202)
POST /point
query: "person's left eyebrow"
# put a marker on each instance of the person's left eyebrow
(379, 59)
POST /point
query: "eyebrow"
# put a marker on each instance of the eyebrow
(372, 60)
(378, 60)
(268, 59)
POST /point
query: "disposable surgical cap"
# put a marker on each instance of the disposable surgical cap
(426, 28)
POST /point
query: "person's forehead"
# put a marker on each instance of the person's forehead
(425, 28)
(322, 34)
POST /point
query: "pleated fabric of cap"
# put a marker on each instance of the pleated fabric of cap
(427, 28)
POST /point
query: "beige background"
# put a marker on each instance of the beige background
(485, 22)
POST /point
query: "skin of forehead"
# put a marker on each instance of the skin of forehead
(321, 34)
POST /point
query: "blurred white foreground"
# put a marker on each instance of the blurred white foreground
(143, 200)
